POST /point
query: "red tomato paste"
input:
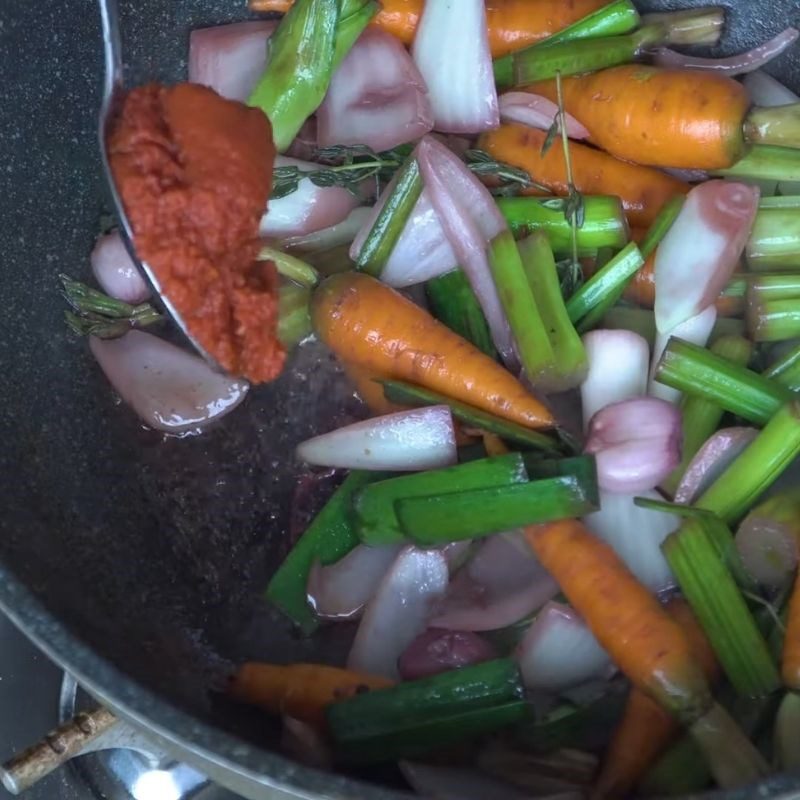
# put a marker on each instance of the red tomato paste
(195, 171)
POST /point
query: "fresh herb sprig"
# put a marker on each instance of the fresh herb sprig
(348, 166)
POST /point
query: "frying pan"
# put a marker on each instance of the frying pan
(138, 562)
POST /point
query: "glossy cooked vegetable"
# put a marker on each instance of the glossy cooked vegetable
(513, 24)
(375, 327)
(643, 191)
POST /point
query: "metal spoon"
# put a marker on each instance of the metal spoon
(113, 92)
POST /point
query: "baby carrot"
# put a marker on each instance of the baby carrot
(646, 729)
(375, 327)
(513, 24)
(642, 639)
(370, 390)
(790, 664)
(643, 191)
(661, 117)
(302, 691)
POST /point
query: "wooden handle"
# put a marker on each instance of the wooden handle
(58, 747)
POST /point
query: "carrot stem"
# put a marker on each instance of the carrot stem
(765, 162)
(758, 467)
(294, 319)
(692, 26)
(680, 771)
(779, 125)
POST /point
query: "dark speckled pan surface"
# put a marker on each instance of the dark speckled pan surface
(136, 559)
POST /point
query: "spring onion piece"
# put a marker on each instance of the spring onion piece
(559, 651)
(786, 370)
(328, 241)
(115, 271)
(329, 538)
(720, 607)
(416, 717)
(171, 389)
(299, 67)
(787, 723)
(381, 108)
(398, 612)
(717, 453)
(410, 395)
(758, 467)
(635, 442)
(765, 162)
(375, 520)
(405, 441)
(606, 281)
(701, 417)
(570, 364)
(768, 540)
(438, 650)
(774, 244)
(636, 533)
(522, 311)
(618, 362)
(773, 320)
(342, 589)
(294, 320)
(500, 585)
(452, 301)
(699, 253)
(536, 111)
(288, 266)
(451, 49)
(480, 512)
(382, 230)
(698, 372)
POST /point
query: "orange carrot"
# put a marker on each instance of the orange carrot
(661, 117)
(641, 638)
(790, 664)
(375, 327)
(643, 191)
(512, 24)
(302, 691)
(369, 390)
(646, 729)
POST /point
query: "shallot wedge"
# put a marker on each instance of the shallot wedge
(376, 97)
(341, 590)
(500, 585)
(731, 65)
(559, 651)
(310, 208)
(451, 49)
(398, 612)
(536, 111)
(471, 220)
(115, 271)
(337, 235)
(170, 389)
(700, 251)
(230, 58)
(636, 534)
(636, 443)
(618, 364)
(697, 330)
(711, 460)
(438, 650)
(419, 439)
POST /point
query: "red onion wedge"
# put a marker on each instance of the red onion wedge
(341, 590)
(451, 49)
(461, 783)
(700, 251)
(732, 65)
(327, 238)
(310, 208)
(457, 554)
(471, 220)
(115, 271)
(376, 97)
(636, 443)
(230, 58)
(170, 389)
(419, 439)
(636, 534)
(697, 330)
(500, 585)
(439, 650)
(769, 544)
(618, 363)
(536, 111)
(559, 651)
(304, 146)
(398, 612)
(711, 460)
